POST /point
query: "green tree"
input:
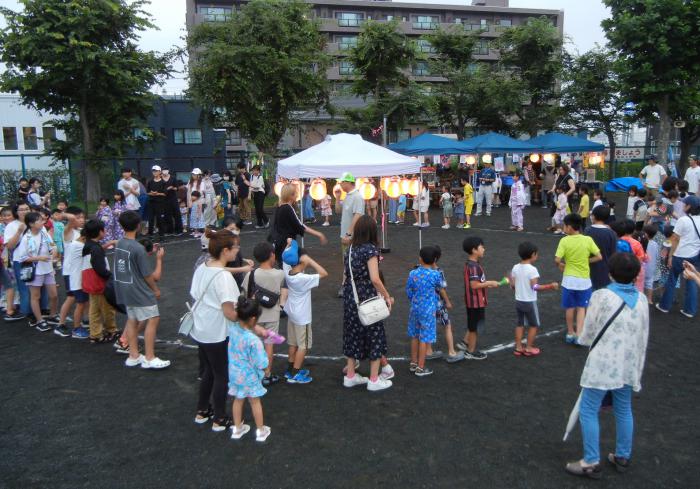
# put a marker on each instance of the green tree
(79, 61)
(254, 71)
(533, 51)
(592, 98)
(659, 58)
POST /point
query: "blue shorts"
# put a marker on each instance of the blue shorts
(422, 327)
(575, 298)
(80, 296)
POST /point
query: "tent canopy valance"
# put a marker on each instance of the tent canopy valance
(498, 143)
(555, 142)
(431, 144)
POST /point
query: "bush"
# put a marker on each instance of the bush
(630, 169)
(57, 180)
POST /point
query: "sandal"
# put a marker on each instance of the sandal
(110, 337)
(518, 353)
(620, 464)
(532, 352)
(591, 471)
(97, 341)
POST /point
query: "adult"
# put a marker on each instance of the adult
(653, 175)
(208, 191)
(530, 182)
(421, 204)
(350, 210)
(157, 190)
(486, 179)
(243, 189)
(12, 236)
(131, 188)
(173, 220)
(685, 246)
(614, 365)
(34, 197)
(692, 175)
(195, 183)
(286, 223)
(359, 341)
(257, 188)
(548, 176)
(216, 294)
(228, 194)
(564, 181)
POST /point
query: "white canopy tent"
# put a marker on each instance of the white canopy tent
(341, 153)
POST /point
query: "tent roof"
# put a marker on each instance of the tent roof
(431, 144)
(556, 142)
(498, 143)
(341, 153)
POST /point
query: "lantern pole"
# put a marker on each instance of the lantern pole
(420, 214)
(384, 248)
(301, 208)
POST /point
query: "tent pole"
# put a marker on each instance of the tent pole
(384, 248)
(301, 208)
(420, 214)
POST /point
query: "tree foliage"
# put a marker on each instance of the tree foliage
(591, 97)
(254, 71)
(533, 52)
(79, 61)
(659, 58)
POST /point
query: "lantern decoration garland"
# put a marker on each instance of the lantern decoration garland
(393, 188)
(549, 158)
(337, 188)
(414, 187)
(300, 189)
(534, 157)
(405, 185)
(486, 158)
(384, 182)
(278, 188)
(368, 190)
(471, 160)
(318, 189)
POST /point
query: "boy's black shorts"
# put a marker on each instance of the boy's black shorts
(476, 319)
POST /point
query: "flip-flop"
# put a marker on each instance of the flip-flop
(531, 353)
(518, 353)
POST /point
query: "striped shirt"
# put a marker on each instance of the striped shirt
(474, 298)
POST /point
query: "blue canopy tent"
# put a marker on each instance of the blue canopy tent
(498, 143)
(555, 142)
(623, 184)
(430, 144)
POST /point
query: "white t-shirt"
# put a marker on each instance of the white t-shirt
(210, 324)
(22, 252)
(75, 270)
(132, 201)
(67, 256)
(522, 274)
(10, 230)
(692, 176)
(653, 175)
(421, 202)
(298, 306)
(689, 244)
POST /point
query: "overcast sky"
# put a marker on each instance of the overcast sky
(581, 25)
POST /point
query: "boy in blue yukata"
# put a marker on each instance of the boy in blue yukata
(421, 286)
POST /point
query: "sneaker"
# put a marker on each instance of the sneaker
(237, 433)
(425, 225)
(423, 372)
(446, 226)
(247, 223)
(488, 214)
(155, 364)
(478, 214)
(259, 227)
(55, 319)
(475, 355)
(62, 330)
(267, 225)
(15, 316)
(43, 326)
(457, 357)
(274, 338)
(378, 385)
(387, 372)
(357, 379)
(326, 224)
(203, 416)
(571, 339)
(261, 434)
(357, 365)
(268, 381)
(134, 362)
(120, 348)
(412, 367)
(416, 224)
(467, 226)
(80, 333)
(659, 308)
(690, 316)
(461, 345)
(434, 355)
(340, 292)
(300, 378)
(220, 424)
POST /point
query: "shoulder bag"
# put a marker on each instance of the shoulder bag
(607, 400)
(187, 319)
(372, 310)
(27, 270)
(265, 297)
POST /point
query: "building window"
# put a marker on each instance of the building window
(48, 135)
(482, 47)
(142, 133)
(187, 136)
(389, 17)
(421, 68)
(503, 25)
(29, 136)
(402, 135)
(9, 134)
(233, 137)
(349, 19)
(426, 22)
(345, 43)
(424, 46)
(346, 68)
(216, 14)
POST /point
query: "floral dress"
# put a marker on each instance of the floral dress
(246, 363)
(360, 341)
(117, 230)
(104, 215)
(197, 215)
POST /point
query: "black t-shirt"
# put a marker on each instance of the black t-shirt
(286, 224)
(154, 186)
(243, 189)
(606, 240)
(171, 193)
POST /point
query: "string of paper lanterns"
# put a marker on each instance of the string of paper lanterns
(392, 186)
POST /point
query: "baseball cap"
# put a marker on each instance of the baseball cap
(651, 157)
(290, 255)
(347, 177)
(155, 168)
(692, 201)
(196, 171)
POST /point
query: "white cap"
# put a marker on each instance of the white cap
(155, 168)
(196, 171)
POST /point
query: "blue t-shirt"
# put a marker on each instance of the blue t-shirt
(402, 203)
(489, 173)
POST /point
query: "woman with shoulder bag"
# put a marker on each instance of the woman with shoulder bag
(361, 267)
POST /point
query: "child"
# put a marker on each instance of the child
(677, 207)
(266, 278)
(422, 283)
(640, 209)
(637, 250)
(475, 285)
(611, 205)
(197, 214)
(95, 275)
(58, 229)
(104, 215)
(606, 241)
(597, 199)
(37, 247)
(401, 209)
(118, 207)
(523, 279)
(468, 192)
(653, 256)
(583, 204)
(73, 242)
(574, 255)
(632, 199)
(326, 211)
(183, 215)
(298, 309)
(560, 214)
(458, 198)
(443, 317)
(517, 202)
(446, 204)
(23, 190)
(62, 205)
(246, 362)
(135, 287)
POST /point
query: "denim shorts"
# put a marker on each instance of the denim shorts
(575, 298)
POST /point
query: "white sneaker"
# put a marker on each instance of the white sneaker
(416, 224)
(326, 224)
(446, 226)
(357, 366)
(261, 434)
(379, 385)
(237, 434)
(387, 372)
(356, 380)
(134, 362)
(155, 364)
